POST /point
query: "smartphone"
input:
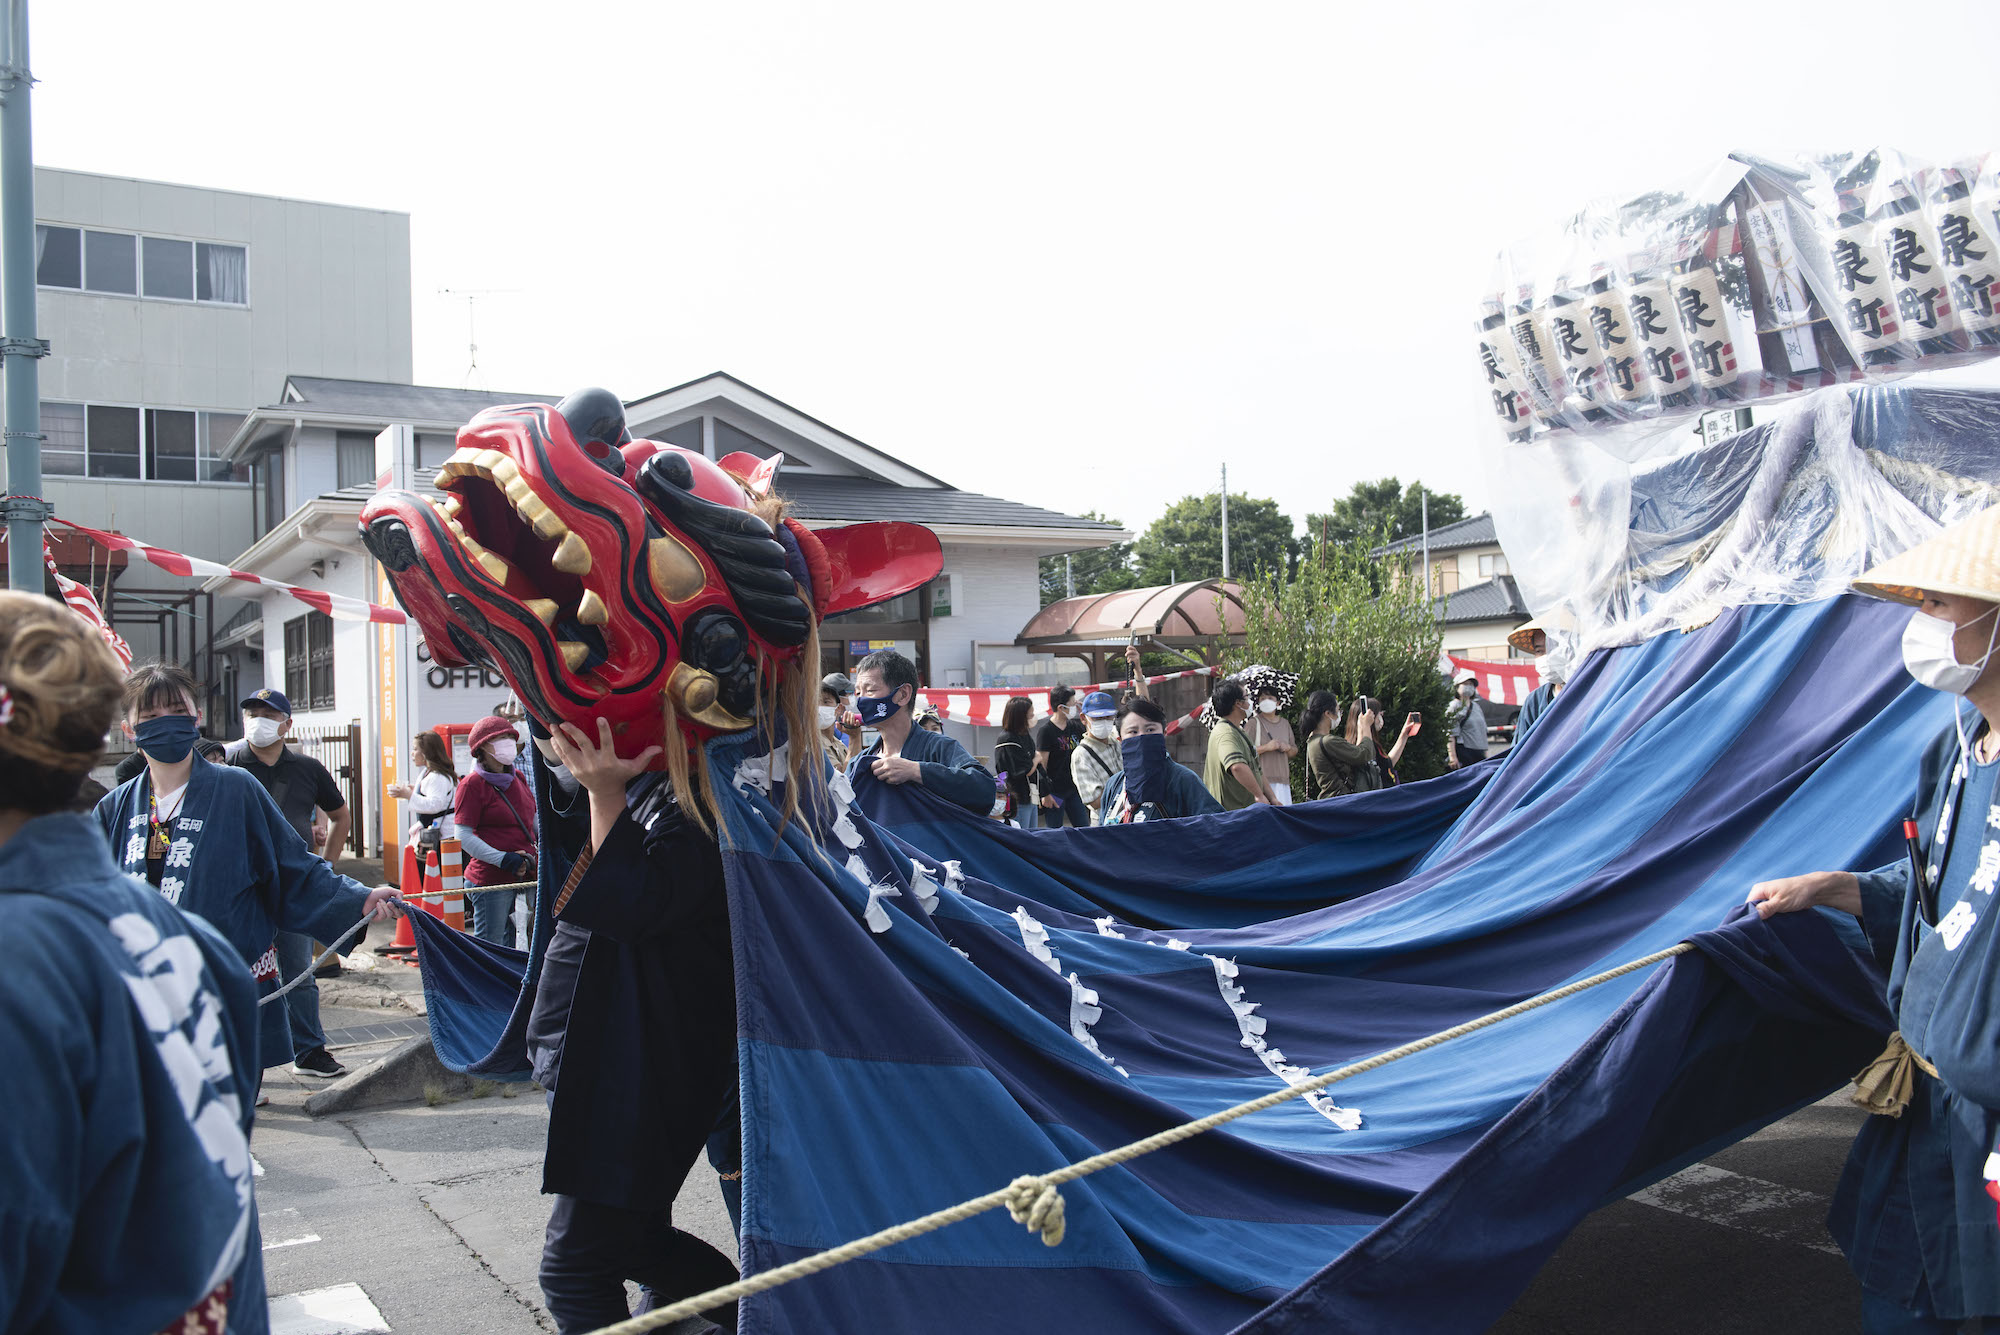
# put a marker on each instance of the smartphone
(1416, 718)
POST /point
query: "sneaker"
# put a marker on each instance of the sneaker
(330, 969)
(263, 1099)
(318, 1062)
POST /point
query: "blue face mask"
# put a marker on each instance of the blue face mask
(168, 738)
(875, 708)
(1146, 762)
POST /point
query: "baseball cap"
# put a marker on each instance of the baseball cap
(1099, 704)
(269, 699)
(837, 682)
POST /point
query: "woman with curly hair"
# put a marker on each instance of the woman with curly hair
(128, 1032)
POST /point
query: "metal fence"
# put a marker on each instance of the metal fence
(339, 749)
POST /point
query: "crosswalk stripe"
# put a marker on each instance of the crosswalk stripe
(290, 1228)
(340, 1310)
(1749, 1204)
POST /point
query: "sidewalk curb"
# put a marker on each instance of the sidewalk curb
(408, 1073)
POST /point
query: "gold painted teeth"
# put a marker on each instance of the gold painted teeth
(572, 557)
(573, 653)
(592, 611)
(498, 469)
(545, 610)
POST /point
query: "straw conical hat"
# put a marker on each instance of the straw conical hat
(1964, 559)
(1558, 620)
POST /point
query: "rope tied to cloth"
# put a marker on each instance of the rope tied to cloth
(1033, 1200)
(318, 960)
(1037, 1203)
(1885, 1086)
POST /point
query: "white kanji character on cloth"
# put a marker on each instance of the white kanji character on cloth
(1988, 872)
(1993, 817)
(135, 848)
(171, 887)
(1956, 924)
(180, 853)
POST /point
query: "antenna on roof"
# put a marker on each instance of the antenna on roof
(472, 294)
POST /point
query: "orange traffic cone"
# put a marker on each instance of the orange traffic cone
(410, 882)
(452, 876)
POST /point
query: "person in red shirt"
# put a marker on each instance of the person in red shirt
(495, 815)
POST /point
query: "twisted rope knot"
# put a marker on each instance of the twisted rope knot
(1035, 1202)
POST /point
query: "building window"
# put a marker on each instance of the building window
(1493, 563)
(111, 439)
(62, 440)
(353, 459)
(309, 661)
(59, 256)
(169, 268)
(159, 444)
(110, 262)
(116, 262)
(221, 274)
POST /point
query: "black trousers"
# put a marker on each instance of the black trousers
(591, 1250)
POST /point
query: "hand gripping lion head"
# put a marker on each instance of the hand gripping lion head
(629, 580)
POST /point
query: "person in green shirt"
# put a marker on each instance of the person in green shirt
(1231, 773)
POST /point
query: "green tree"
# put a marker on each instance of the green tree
(1332, 627)
(1185, 543)
(1383, 507)
(1098, 570)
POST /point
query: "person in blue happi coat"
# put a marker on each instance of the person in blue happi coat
(885, 683)
(212, 841)
(127, 1034)
(1912, 1211)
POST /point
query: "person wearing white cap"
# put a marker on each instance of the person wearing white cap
(1912, 1211)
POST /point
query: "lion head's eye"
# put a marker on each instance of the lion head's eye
(715, 641)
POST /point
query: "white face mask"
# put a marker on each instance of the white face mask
(1103, 728)
(503, 750)
(261, 731)
(1267, 706)
(828, 714)
(1929, 654)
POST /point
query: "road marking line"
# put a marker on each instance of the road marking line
(256, 1169)
(341, 1310)
(281, 1222)
(1749, 1204)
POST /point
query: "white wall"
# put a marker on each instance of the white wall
(999, 591)
(1478, 634)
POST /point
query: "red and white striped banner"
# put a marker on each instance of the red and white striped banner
(335, 605)
(984, 708)
(82, 602)
(1503, 683)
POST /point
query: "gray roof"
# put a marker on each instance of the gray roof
(1496, 599)
(396, 403)
(857, 498)
(860, 500)
(1474, 532)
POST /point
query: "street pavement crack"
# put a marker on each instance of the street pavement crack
(541, 1318)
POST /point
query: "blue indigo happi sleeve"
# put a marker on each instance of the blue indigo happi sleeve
(308, 895)
(957, 777)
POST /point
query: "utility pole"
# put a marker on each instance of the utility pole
(24, 508)
(1425, 498)
(1069, 578)
(1225, 521)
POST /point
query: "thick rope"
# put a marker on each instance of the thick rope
(468, 889)
(1028, 1198)
(318, 960)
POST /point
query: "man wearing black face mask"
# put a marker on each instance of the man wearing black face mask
(1153, 785)
(885, 684)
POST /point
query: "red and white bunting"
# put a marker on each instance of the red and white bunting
(1508, 683)
(336, 605)
(82, 602)
(984, 708)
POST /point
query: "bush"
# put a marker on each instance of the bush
(1347, 625)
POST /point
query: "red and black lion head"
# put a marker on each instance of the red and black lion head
(630, 580)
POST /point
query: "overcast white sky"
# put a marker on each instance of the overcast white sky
(1076, 254)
